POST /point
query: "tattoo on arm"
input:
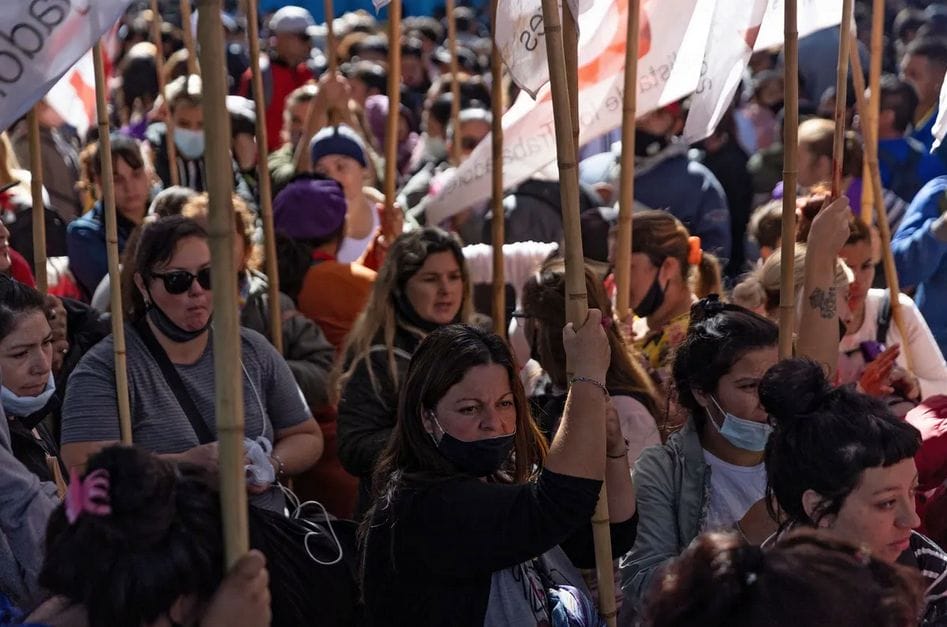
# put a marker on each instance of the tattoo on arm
(824, 301)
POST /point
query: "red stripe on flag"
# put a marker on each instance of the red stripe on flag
(85, 93)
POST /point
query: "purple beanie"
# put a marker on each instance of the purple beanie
(309, 208)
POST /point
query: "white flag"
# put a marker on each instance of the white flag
(733, 33)
(380, 4)
(940, 124)
(521, 39)
(673, 36)
(811, 16)
(73, 96)
(40, 40)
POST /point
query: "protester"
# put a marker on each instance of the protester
(170, 361)
(669, 270)
(632, 392)
(839, 460)
(281, 161)
(184, 97)
(710, 475)
(422, 286)
(28, 393)
(474, 523)
(329, 292)
(807, 580)
(88, 258)
(923, 66)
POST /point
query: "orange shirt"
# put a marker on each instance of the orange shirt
(333, 295)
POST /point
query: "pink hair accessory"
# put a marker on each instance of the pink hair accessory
(88, 496)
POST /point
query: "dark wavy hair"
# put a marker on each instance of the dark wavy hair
(824, 438)
(719, 334)
(161, 541)
(807, 579)
(17, 299)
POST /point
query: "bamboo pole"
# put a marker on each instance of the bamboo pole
(394, 103)
(159, 66)
(570, 42)
(841, 98)
(454, 82)
(576, 297)
(881, 215)
(226, 336)
(626, 190)
(498, 224)
(787, 292)
(39, 209)
(266, 188)
(111, 242)
(189, 37)
(874, 100)
(332, 56)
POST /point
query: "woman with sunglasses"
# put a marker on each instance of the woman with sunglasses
(170, 362)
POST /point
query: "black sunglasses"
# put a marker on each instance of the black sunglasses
(180, 281)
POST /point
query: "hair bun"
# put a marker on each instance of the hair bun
(793, 387)
(706, 308)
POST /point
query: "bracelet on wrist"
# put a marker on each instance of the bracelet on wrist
(590, 380)
(280, 467)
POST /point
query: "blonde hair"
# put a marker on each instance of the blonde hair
(406, 256)
(768, 277)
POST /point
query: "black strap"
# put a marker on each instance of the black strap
(884, 318)
(174, 382)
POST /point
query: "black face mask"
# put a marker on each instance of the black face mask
(648, 144)
(652, 300)
(169, 328)
(479, 458)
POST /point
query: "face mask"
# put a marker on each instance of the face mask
(747, 435)
(652, 301)
(169, 328)
(23, 406)
(648, 144)
(190, 143)
(479, 458)
(435, 147)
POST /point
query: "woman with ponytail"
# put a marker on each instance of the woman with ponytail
(669, 271)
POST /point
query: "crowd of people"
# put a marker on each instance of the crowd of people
(405, 464)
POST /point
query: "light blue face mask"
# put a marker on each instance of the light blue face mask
(748, 435)
(23, 406)
(190, 143)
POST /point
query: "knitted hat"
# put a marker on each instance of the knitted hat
(337, 140)
(309, 208)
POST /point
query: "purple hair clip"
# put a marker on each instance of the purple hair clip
(88, 496)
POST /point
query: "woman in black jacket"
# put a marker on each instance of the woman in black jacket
(474, 523)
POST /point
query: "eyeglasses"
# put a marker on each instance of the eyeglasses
(180, 281)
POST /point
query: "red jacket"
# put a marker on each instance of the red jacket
(279, 80)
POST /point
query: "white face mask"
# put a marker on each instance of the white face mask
(23, 406)
(190, 143)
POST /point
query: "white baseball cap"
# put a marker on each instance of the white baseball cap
(292, 20)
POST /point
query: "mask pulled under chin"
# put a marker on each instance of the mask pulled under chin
(652, 301)
(169, 328)
(23, 406)
(744, 434)
(479, 458)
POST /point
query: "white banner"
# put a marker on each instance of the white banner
(40, 40)
(811, 15)
(940, 124)
(73, 96)
(733, 33)
(673, 36)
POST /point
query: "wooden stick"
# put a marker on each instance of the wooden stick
(841, 99)
(499, 218)
(576, 297)
(39, 209)
(394, 103)
(111, 242)
(332, 56)
(787, 291)
(570, 42)
(454, 82)
(227, 364)
(874, 101)
(881, 214)
(266, 188)
(189, 37)
(626, 189)
(159, 66)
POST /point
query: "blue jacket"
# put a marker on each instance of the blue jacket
(85, 243)
(671, 180)
(897, 154)
(921, 258)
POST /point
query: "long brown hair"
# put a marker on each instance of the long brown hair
(544, 304)
(660, 235)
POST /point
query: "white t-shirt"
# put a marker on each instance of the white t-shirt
(733, 490)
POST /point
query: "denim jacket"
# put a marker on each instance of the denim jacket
(672, 482)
